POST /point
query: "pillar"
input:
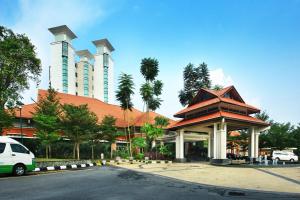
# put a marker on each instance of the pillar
(252, 142)
(256, 144)
(208, 144)
(180, 145)
(220, 143)
(215, 141)
(223, 140)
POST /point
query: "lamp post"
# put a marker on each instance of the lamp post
(20, 104)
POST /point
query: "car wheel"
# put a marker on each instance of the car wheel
(277, 159)
(292, 160)
(19, 170)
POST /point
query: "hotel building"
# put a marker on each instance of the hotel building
(92, 76)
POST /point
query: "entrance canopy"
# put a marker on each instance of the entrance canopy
(216, 113)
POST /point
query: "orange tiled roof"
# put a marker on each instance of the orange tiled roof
(101, 109)
(219, 98)
(216, 115)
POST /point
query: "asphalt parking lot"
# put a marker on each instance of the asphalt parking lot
(115, 183)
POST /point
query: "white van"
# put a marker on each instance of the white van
(14, 157)
(284, 156)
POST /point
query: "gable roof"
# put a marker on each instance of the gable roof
(217, 96)
(100, 108)
(215, 116)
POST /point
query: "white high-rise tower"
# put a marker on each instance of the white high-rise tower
(103, 71)
(85, 78)
(62, 71)
(84, 74)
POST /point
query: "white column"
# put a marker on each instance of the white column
(177, 144)
(208, 144)
(215, 141)
(180, 144)
(223, 138)
(181, 140)
(256, 144)
(252, 144)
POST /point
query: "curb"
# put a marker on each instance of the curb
(64, 167)
(140, 161)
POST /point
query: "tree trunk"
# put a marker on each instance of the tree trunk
(111, 151)
(74, 149)
(50, 154)
(47, 151)
(92, 152)
(125, 129)
(78, 151)
(128, 126)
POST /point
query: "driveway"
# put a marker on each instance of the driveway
(113, 183)
(264, 179)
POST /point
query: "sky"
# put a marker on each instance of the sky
(251, 44)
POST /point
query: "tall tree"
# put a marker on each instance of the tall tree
(109, 131)
(124, 96)
(264, 116)
(78, 123)
(18, 65)
(205, 77)
(152, 88)
(46, 118)
(194, 78)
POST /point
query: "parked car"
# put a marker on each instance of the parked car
(15, 158)
(284, 156)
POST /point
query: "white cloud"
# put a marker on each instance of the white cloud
(35, 17)
(218, 77)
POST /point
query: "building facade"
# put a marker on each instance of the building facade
(91, 76)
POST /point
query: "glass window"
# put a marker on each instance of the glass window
(2, 147)
(64, 48)
(86, 79)
(105, 59)
(18, 148)
(105, 83)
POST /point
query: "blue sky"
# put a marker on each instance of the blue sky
(254, 45)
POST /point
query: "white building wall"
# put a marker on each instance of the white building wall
(71, 70)
(56, 66)
(111, 89)
(98, 77)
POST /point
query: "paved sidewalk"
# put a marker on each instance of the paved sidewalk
(264, 179)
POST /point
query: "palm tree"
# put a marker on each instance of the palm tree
(123, 95)
(152, 88)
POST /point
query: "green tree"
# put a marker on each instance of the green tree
(124, 96)
(279, 136)
(6, 119)
(78, 123)
(109, 131)
(152, 88)
(217, 87)
(46, 118)
(205, 77)
(161, 121)
(264, 116)
(153, 131)
(194, 78)
(295, 140)
(138, 142)
(18, 65)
